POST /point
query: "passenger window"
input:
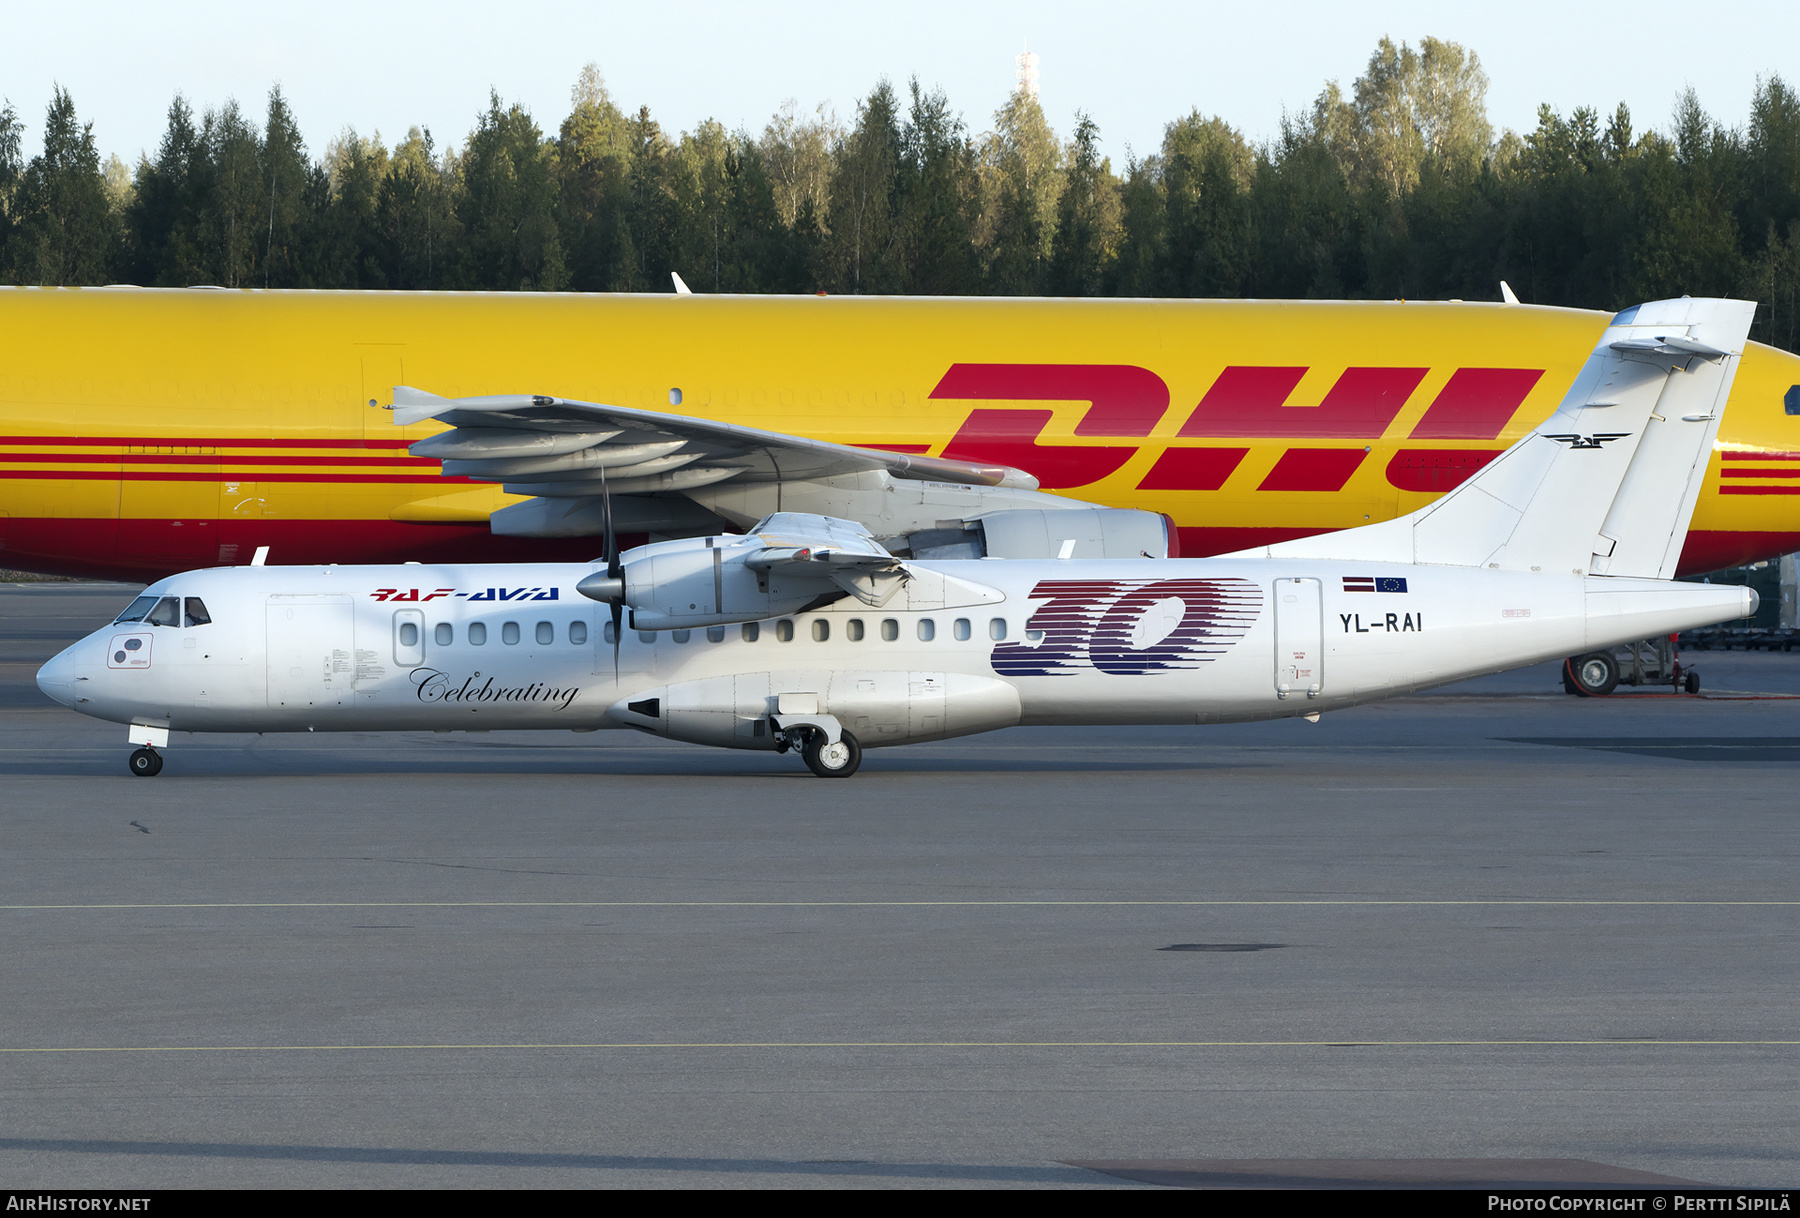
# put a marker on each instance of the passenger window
(784, 631)
(927, 630)
(409, 638)
(715, 634)
(681, 636)
(509, 633)
(961, 629)
(890, 629)
(853, 630)
(166, 613)
(646, 636)
(752, 631)
(444, 634)
(477, 634)
(578, 633)
(135, 611)
(546, 634)
(1034, 636)
(196, 614)
(821, 630)
(608, 634)
(997, 628)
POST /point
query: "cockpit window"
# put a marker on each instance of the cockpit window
(196, 612)
(135, 611)
(166, 613)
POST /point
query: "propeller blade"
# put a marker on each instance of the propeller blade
(615, 570)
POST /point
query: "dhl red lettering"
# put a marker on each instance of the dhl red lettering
(1313, 469)
(1193, 469)
(1250, 401)
(411, 594)
(1432, 471)
(1476, 403)
(1125, 401)
(382, 594)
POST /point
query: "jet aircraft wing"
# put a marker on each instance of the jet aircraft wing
(534, 444)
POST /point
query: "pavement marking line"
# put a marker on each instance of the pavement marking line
(873, 904)
(905, 1044)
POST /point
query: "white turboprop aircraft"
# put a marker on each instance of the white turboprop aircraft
(807, 634)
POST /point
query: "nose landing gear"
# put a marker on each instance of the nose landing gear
(145, 763)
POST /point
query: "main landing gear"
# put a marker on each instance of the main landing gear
(838, 760)
(823, 758)
(145, 763)
(1645, 662)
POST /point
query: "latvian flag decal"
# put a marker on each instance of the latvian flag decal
(1374, 583)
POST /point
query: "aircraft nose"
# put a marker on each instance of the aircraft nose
(57, 678)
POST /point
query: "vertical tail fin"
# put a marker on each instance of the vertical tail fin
(1607, 484)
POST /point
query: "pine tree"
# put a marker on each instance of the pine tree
(509, 204)
(64, 230)
(862, 250)
(281, 199)
(1087, 225)
(163, 218)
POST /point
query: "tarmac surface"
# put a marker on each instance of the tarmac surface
(1489, 923)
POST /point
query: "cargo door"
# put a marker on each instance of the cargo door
(1299, 637)
(383, 365)
(310, 645)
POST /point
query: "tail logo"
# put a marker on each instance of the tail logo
(1598, 440)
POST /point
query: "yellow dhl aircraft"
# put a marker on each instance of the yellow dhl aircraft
(148, 431)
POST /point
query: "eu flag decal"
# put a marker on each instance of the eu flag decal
(1374, 583)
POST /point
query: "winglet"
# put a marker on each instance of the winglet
(681, 287)
(1506, 293)
(415, 405)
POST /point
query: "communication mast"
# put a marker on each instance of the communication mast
(1027, 62)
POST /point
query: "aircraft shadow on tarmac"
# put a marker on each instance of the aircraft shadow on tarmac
(211, 761)
(414, 1156)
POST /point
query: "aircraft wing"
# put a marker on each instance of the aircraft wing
(554, 447)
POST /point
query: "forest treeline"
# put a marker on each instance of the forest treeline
(1396, 187)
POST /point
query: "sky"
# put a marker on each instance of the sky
(1132, 66)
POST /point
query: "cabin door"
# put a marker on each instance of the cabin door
(1299, 638)
(311, 642)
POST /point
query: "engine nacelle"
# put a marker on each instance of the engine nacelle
(1073, 532)
(790, 564)
(880, 707)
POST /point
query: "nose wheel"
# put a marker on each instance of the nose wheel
(145, 763)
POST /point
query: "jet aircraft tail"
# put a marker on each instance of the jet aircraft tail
(1604, 486)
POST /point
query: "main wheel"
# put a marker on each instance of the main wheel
(1691, 683)
(145, 763)
(838, 760)
(1593, 676)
